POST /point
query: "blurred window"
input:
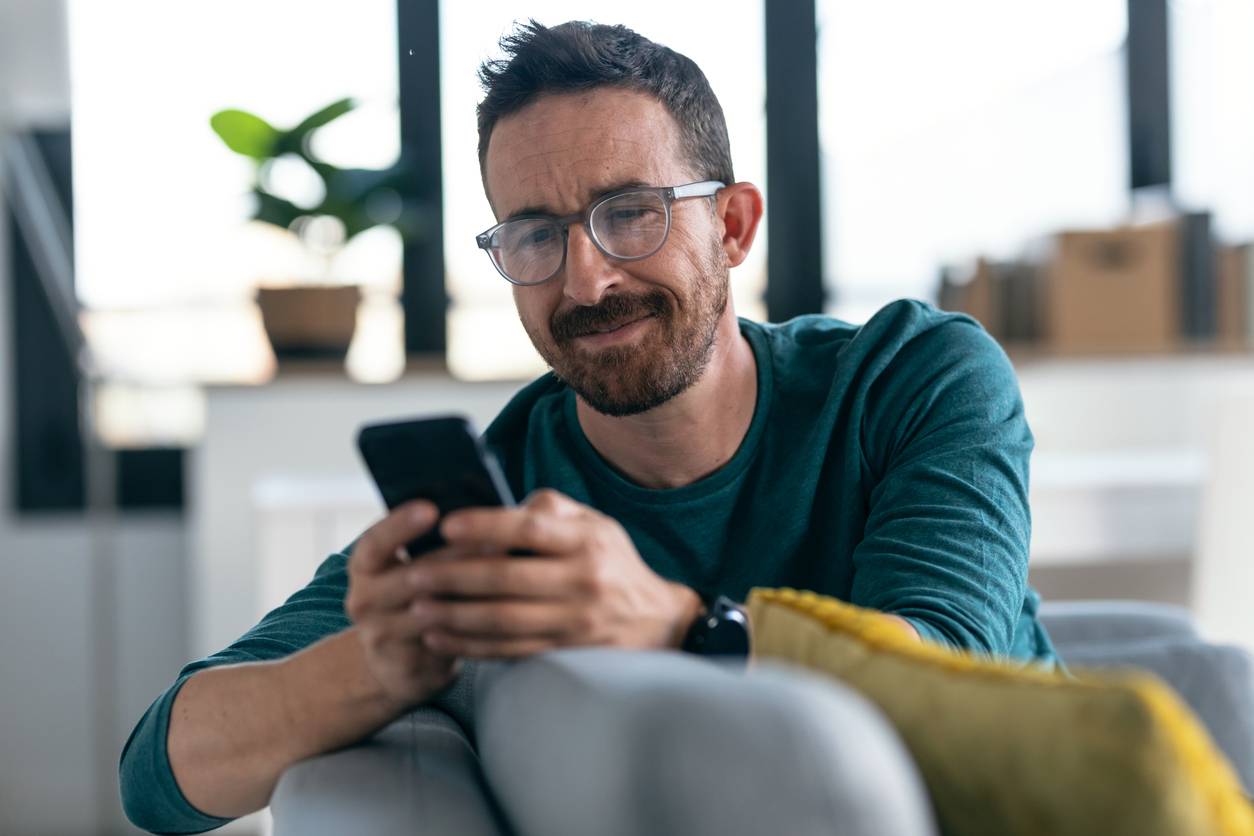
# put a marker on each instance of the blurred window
(955, 129)
(165, 256)
(1212, 66)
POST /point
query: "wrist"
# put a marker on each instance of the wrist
(689, 607)
(335, 674)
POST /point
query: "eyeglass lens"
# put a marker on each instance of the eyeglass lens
(627, 226)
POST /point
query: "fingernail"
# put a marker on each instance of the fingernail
(453, 527)
(421, 513)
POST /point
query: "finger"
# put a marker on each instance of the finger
(500, 620)
(369, 594)
(550, 501)
(393, 588)
(376, 550)
(393, 628)
(473, 648)
(495, 577)
(453, 552)
(525, 527)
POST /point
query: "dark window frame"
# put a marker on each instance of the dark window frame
(424, 301)
(47, 448)
(794, 222)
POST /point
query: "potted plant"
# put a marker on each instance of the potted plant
(315, 320)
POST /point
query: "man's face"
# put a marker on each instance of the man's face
(626, 336)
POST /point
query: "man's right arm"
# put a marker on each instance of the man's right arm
(235, 729)
(215, 745)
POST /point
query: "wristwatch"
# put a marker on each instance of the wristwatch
(721, 630)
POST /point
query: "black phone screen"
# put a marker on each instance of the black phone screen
(438, 459)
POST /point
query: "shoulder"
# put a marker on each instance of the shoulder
(911, 331)
(892, 327)
(904, 338)
(930, 373)
(908, 344)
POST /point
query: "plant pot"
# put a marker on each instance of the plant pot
(313, 322)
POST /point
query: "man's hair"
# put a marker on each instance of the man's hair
(578, 56)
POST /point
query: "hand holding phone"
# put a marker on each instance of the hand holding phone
(439, 459)
(408, 671)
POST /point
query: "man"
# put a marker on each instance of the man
(675, 454)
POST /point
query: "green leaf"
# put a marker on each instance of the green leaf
(293, 140)
(329, 113)
(244, 133)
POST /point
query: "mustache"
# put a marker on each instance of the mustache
(610, 311)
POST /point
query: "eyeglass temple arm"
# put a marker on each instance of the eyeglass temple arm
(703, 189)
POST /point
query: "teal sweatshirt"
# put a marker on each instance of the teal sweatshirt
(886, 465)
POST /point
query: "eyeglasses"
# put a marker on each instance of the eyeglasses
(626, 225)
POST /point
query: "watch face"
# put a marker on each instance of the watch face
(723, 631)
(729, 638)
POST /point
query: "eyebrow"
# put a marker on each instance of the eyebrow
(544, 210)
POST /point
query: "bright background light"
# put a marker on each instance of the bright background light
(962, 128)
(165, 258)
(949, 130)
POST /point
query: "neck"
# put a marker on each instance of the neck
(691, 435)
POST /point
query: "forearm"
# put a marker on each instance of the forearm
(235, 729)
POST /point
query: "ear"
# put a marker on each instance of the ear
(740, 209)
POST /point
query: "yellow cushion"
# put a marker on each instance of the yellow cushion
(1012, 751)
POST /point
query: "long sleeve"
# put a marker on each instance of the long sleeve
(150, 795)
(948, 528)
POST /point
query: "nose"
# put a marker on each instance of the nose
(588, 272)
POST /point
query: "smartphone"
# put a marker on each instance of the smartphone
(441, 459)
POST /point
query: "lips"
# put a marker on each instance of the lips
(610, 314)
(615, 326)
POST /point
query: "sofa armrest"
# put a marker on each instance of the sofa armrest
(1085, 623)
(418, 775)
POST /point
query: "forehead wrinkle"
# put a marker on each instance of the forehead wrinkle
(608, 145)
(585, 189)
(605, 163)
(600, 138)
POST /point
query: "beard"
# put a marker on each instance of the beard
(669, 357)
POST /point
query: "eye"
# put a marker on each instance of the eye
(632, 216)
(529, 235)
(538, 236)
(627, 214)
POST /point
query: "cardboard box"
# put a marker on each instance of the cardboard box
(1114, 290)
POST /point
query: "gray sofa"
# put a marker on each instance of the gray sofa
(422, 774)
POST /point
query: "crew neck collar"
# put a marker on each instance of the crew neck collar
(596, 467)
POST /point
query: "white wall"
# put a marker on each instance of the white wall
(54, 777)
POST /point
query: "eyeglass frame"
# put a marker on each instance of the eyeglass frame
(669, 194)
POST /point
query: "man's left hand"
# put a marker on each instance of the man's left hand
(582, 583)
